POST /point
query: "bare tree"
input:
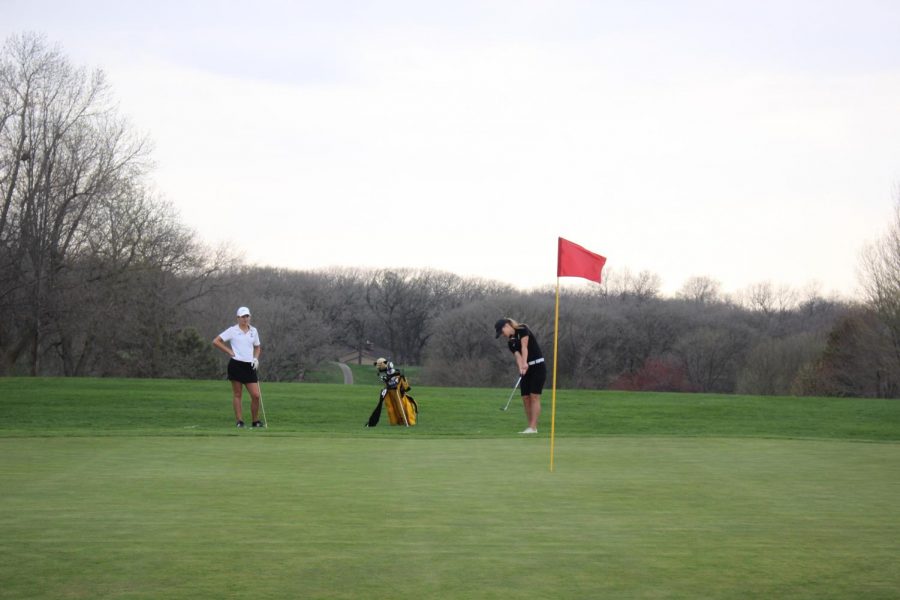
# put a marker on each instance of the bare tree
(346, 309)
(700, 289)
(768, 298)
(463, 350)
(293, 307)
(86, 252)
(64, 152)
(773, 365)
(880, 277)
(623, 283)
(711, 357)
(857, 361)
(591, 347)
(406, 303)
(862, 351)
(396, 305)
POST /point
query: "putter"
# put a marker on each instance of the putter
(511, 393)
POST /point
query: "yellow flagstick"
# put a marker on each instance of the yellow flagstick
(571, 261)
(553, 396)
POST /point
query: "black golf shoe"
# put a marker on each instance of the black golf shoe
(240, 424)
(256, 424)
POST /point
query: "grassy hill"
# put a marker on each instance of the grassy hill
(102, 407)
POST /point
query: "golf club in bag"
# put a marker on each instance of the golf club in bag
(401, 407)
(518, 381)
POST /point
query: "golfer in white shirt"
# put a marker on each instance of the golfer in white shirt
(241, 343)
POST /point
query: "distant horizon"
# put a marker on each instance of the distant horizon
(573, 283)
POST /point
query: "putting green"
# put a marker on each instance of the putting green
(262, 516)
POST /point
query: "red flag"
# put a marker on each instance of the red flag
(575, 261)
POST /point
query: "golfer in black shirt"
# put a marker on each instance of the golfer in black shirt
(530, 361)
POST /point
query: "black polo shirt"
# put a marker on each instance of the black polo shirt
(515, 343)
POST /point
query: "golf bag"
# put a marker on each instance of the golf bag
(401, 407)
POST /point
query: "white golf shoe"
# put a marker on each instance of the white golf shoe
(529, 430)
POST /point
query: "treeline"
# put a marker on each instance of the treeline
(97, 277)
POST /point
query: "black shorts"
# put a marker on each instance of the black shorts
(534, 378)
(241, 371)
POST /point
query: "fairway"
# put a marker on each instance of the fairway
(142, 489)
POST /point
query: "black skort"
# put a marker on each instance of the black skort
(241, 371)
(534, 378)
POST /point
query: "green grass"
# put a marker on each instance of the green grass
(326, 373)
(143, 489)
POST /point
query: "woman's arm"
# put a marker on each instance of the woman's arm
(220, 344)
(522, 356)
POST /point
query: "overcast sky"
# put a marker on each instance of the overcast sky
(743, 141)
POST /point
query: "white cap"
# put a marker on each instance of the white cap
(243, 311)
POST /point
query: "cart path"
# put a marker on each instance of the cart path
(348, 374)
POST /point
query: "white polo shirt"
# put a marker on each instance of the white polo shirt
(241, 343)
